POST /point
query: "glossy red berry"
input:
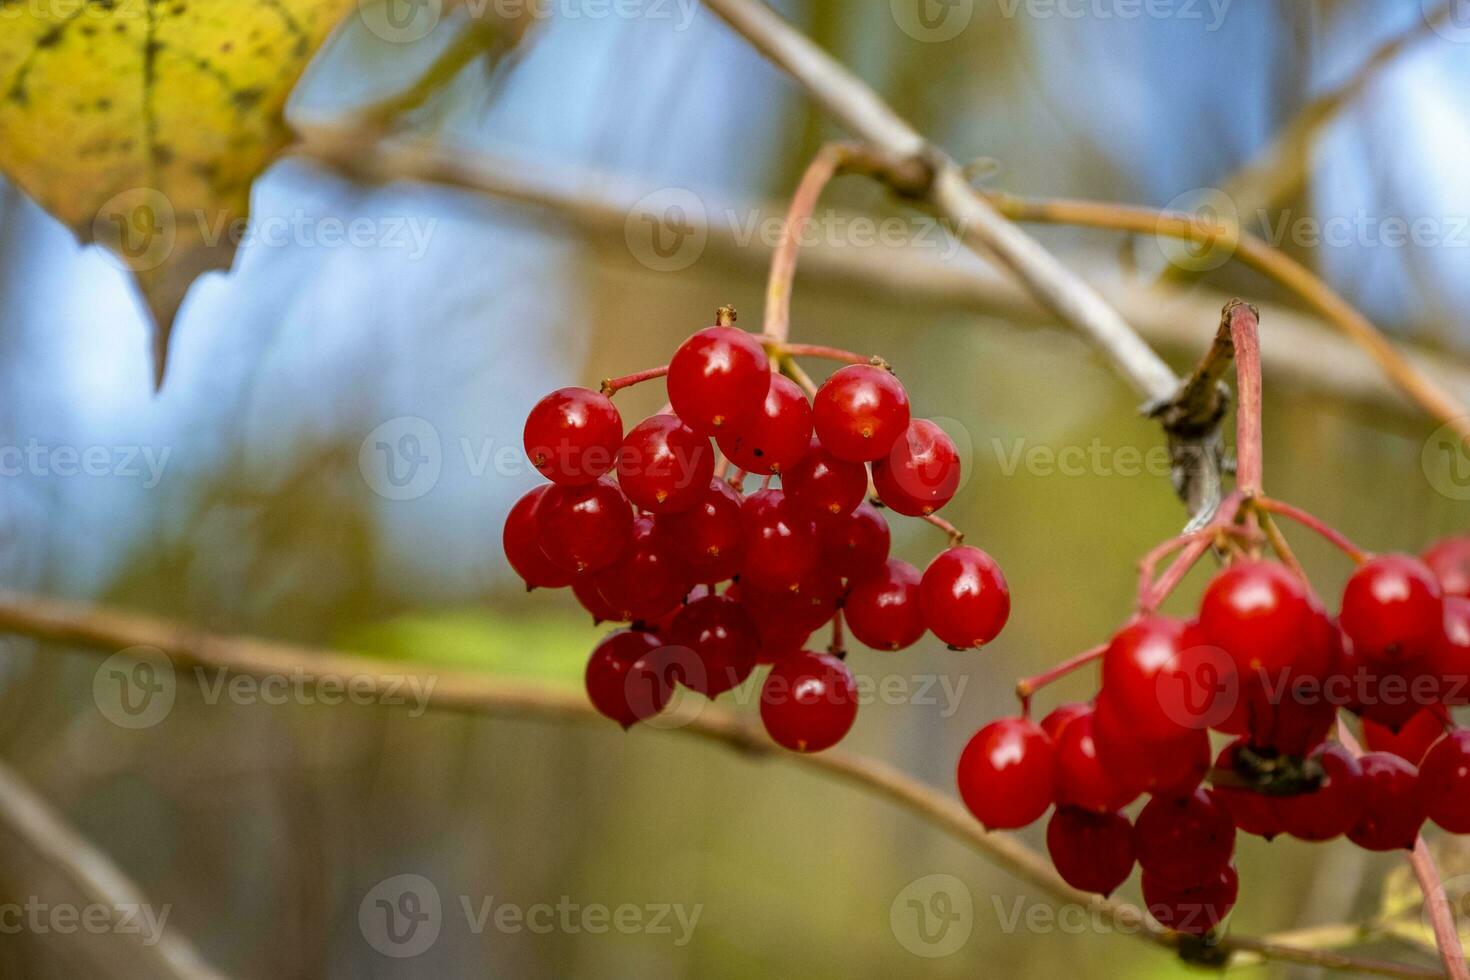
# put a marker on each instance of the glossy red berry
(664, 466)
(1082, 780)
(1257, 612)
(522, 542)
(1093, 852)
(1334, 807)
(647, 582)
(860, 411)
(723, 640)
(823, 486)
(773, 439)
(1444, 782)
(965, 598)
(1149, 678)
(883, 609)
(1392, 811)
(1007, 774)
(1449, 658)
(780, 545)
(920, 473)
(1194, 910)
(572, 435)
(1412, 741)
(624, 679)
(809, 702)
(1063, 715)
(1393, 609)
(857, 544)
(1250, 811)
(1450, 561)
(584, 528)
(1167, 767)
(1184, 840)
(717, 376)
(584, 587)
(706, 537)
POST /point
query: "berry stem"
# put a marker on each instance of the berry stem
(1242, 321)
(956, 536)
(793, 371)
(1272, 506)
(1027, 687)
(836, 647)
(611, 386)
(1194, 544)
(1282, 547)
(829, 354)
(827, 164)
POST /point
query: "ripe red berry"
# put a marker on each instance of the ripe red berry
(809, 702)
(857, 544)
(774, 439)
(647, 582)
(1093, 852)
(1007, 774)
(965, 598)
(706, 537)
(1250, 811)
(1167, 767)
(572, 435)
(1148, 678)
(1449, 659)
(1393, 609)
(1334, 807)
(860, 411)
(779, 545)
(920, 473)
(1194, 910)
(584, 528)
(624, 679)
(1411, 742)
(883, 609)
(1392, 812)
(1444, 782)
(522, 542)
(1063, 715)
(1184, 840)
(824, 487)
(723, 640)
(584, 587)
(1082, 780)
(664, 466)
(1450, 561)
(1258, 613)
(717, 376)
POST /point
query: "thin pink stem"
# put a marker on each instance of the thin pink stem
(1030, 685)
(611, 386)
(826, 353)
(836, 648)
(1273, 506)
(1245, 335)
(956, 536)
(828, 163)
(1194, 545)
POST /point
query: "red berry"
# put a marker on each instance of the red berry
(1194, 910)
(584, 528)
(920, 473)
(522, 542)
(1409, 743)
(706, 537)
(1093, 852)
(857, 544)
(647, 581)
(1082, 780)
(572, 435)
(624, 680)
(965, 598)
(1153, 674)
(1258, 613)
(1392, 812)
(584, 587)
(779, 545)
(1063, 715)
(809, 702)
(824, 487)
(860, 411)
(664, 466)
(1184, 840)
(1250, 811)
(1334, 807)
(1007, 774)
(1449, 659)
(774, 439)
(1450, 561)
(883, 609)
(1444, 782)
(717, 376)
(723, 640)
(1393, 609)
(1168, 767)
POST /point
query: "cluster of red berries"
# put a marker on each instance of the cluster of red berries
(1266, 666)
(645, 527)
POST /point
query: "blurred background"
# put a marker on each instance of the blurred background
(249, 496)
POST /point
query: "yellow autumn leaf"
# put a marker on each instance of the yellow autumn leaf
(141, 125)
